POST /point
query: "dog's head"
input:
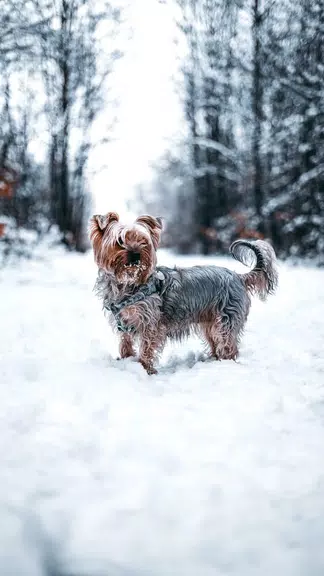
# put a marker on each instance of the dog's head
(129, 252)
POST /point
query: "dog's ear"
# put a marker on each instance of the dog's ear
(154, 227)
(98, 225)
(104, 220)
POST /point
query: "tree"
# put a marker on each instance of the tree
(257, 105)
(252, 90)
(60, 45)
(294, 207)
(74, 82)
(208, 26)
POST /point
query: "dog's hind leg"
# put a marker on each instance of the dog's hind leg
(222, 341)
(230, 345)
(213, 336)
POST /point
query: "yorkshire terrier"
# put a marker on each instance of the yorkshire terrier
(148, 304)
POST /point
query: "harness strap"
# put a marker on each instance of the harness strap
(153, 286)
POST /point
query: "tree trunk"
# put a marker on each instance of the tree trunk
(257, 103)
(65, 118)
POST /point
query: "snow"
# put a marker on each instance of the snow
(208, 469)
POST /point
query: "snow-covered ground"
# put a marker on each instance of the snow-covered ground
(208, 469)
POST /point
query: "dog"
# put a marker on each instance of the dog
(149, 304)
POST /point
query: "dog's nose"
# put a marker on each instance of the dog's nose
(133, 257)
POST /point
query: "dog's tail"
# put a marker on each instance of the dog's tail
(263, 278)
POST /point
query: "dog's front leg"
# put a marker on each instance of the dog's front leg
(126, 346)
(151, 344)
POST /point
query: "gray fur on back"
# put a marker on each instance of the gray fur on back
(192, 293)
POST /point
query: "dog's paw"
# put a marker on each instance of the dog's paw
(149, 368)
(128, 357)
(151, 371)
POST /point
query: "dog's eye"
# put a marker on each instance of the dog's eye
(120, 242)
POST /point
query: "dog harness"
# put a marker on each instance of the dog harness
(153, 286)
